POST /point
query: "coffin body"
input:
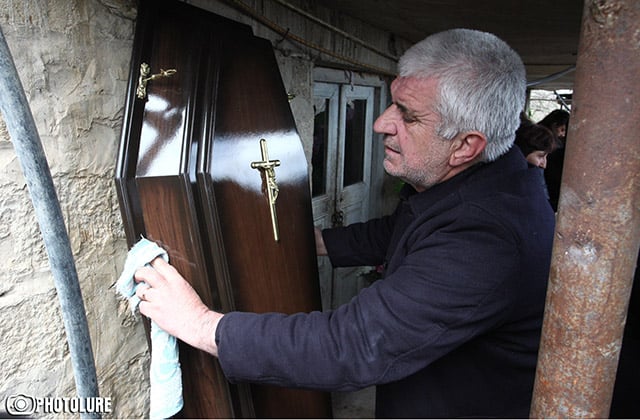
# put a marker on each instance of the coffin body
(185, 179)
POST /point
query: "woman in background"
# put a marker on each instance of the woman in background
(557, 121)
(536, 142)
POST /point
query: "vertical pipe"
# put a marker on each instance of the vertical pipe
(26, 141)
(598, 228)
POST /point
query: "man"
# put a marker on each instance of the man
(452, 329)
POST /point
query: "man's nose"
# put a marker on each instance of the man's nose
(384, 123)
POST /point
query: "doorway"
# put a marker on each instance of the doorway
(343, 152)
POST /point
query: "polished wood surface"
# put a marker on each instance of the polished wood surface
(155, 188)
(184, 179)
(254, 272)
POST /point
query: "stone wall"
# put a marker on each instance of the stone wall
(73, 59)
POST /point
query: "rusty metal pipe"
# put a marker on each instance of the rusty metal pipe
(598, 227)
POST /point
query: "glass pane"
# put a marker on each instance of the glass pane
(320, 141)
(354, 142)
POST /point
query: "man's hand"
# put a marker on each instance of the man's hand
(321, 249)
(176, 307)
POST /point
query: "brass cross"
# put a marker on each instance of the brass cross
(268, 166)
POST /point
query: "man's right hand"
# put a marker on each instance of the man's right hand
(174, 305)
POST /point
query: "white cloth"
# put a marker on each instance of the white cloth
(165, 375)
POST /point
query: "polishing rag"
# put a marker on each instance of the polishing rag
(165, 376)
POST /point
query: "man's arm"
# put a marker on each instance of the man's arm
(176, 307)
(436, 301)
(359, 243)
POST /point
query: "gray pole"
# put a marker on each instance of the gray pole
(26, 141)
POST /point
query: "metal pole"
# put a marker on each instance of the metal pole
(598, 226)
(26, 141)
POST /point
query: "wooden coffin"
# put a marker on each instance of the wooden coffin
(193, 175)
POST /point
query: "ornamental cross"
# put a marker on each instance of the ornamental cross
(267, 166)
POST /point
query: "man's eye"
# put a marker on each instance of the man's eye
(408, 118)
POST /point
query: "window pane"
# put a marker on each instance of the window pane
(320, 140)
(354, 142)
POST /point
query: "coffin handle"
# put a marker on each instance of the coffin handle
(146, 76)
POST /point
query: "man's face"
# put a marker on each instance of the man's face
(413, 151)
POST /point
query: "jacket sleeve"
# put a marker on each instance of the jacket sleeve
(359, 243)
(442, 296)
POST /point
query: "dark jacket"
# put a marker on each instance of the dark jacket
(451, 330)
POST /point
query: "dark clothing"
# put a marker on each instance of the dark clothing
(452, 330)
(540, 172)
(624, 403)
(553, 175)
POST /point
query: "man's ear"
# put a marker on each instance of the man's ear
(467, 148)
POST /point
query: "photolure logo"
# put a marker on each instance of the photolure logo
(26, 405)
